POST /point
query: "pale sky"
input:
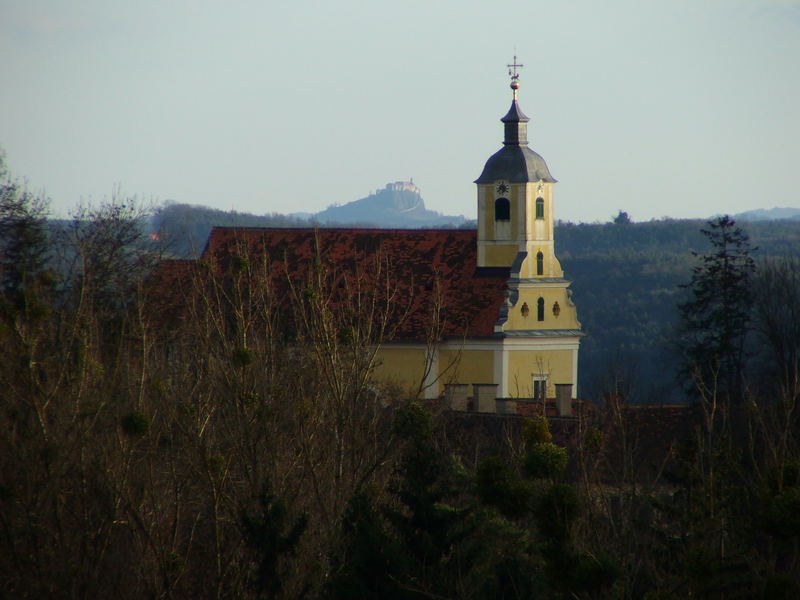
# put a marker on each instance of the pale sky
(680, 108)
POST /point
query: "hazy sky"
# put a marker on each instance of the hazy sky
(683, 108)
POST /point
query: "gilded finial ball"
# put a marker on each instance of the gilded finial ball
(515, 85)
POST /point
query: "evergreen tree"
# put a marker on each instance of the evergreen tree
(714, 319)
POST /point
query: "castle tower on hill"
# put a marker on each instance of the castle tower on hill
(402, 186)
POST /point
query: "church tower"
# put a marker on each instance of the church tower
(538, 325)
(515, 201)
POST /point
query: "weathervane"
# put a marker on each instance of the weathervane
(512, 72)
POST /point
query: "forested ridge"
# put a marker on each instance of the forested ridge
(220, 455)
(626, 282)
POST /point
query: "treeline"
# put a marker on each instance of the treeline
(184, 228)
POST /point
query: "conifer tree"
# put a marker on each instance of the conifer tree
(714, 318)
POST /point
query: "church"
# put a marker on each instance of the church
(482, 318)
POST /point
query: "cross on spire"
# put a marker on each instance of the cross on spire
(512, 72)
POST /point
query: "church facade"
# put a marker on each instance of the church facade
(532, 350)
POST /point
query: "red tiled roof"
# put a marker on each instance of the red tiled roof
(417, 270)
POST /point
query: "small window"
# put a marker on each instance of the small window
(539, 389)
(539, 263)
(540, 208)
(540, 309)
(502, 209)
(525, 310)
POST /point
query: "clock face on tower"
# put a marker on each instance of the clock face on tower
(502, 188)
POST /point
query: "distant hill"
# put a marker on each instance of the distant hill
(399, 205)
(771, 214)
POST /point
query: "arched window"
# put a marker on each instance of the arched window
(540, 208)
(502, 209)
(539, 263)
(540, 309)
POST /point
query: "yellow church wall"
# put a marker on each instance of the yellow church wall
(567, 318)
(511, 230)
(500, 256)
(555, 264)
(404, 366)
(470, 366)
(485, 216)
(517, 197)
(551, 267)
(553, 359)
(539, 229)
(401, 365)
(555, 365)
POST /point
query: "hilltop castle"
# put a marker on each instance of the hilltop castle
(402, 186)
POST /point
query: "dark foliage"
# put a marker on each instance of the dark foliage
(24, 247)
(715, 317)
(271, 537)
(626, 286)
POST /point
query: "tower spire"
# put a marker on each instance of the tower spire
(515, 162)
(512, 72)
(515, 121)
